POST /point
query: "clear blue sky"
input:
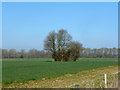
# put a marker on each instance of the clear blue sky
(25, 25)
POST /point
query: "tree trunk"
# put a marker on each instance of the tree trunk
(74, 59)
(55, 59)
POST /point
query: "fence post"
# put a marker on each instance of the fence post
(105, 80)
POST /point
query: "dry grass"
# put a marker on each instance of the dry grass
(68, 80)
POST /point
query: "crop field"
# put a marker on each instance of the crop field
(23, 70)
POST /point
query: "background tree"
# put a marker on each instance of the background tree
(61, 46)
(33, 53)
(12, 53)
(57, 44)
(50, 44)
(22, 53)
(5, 53)
(63, 40)
(75, 49)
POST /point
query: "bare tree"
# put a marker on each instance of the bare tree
(5, 53)
(75, 49)
(63, 40)
(58, 44)
(50, 44)
(12, 53)
(91, 53)
(61, 46)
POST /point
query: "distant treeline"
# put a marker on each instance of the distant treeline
(33, 53)
(100, 53)
(85, 53)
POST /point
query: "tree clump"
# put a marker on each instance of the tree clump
(61, 46)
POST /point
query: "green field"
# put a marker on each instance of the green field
(21, 70)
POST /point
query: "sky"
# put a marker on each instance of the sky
(25, 25)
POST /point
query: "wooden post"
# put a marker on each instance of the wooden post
(105, 80)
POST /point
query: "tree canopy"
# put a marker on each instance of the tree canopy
(61, 46)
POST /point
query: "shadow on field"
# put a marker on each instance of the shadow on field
(56, 61)
(48, 61)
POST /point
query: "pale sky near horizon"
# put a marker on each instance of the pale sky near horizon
(25, 25)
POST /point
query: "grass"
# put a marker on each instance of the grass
(24, 70)
(93, 78)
